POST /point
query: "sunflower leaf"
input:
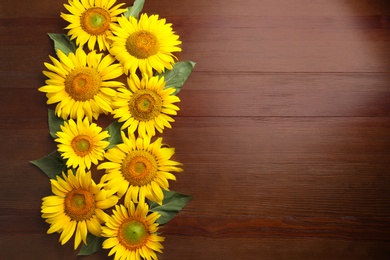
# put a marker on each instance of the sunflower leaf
(173, 202)
(93, 245)
(51, 164)
(135, 9)
(176, 77)
(55, 123)
(62, 42)
(114, 129)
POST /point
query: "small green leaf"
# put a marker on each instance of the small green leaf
(62, 42)
(51, 164)
(114, 129)
(176, 77)
(135, 9)
(93, 245)
(173, 202)
(55, 123)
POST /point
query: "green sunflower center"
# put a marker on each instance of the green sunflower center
(83, 84)
(142, 44)
(133, 233)
(82, 145)
(95, 21)
(79, 204)
(139, 168)
(145, 105)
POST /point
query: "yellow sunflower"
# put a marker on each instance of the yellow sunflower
(146, 44)
(146, 105)
(90, 21)
(76, 206)
(81, 84)
(140, 169)
(131, 233)
(81, 143)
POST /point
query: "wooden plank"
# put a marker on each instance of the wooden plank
(260, 50)
(220, 8)
(272, 8)
(276, 94)
(246, 94)
(192, 248)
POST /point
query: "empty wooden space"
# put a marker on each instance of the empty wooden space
(284, 129)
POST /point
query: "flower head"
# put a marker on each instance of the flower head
(140, 169)
(81, 84)
(146, 44)
(81, 143)
(147, 105)
(131, 233)
(76, 206)
(90, 21)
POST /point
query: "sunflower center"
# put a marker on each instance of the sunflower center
(142, 44)
(139, 168)
(145, 105)
(82, 145)
(79, 204)
(83, 83)
(95, 21)
(133, 233)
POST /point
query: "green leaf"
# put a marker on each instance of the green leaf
(135, 9)
(176, 77)
(173, 202)
(93, 245)
(51, 164)
(114, 129)
(55, 123)
(62, 42)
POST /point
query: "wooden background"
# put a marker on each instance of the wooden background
(284, 129)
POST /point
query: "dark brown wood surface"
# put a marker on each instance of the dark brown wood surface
(284, 129)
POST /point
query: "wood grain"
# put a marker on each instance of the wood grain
(283, 129)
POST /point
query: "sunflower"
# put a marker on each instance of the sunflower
(80, 84)
(140, 169)
(131, 233)
(76, 206)
(90, 21)
(146, 105)
(81, 143)
(146, 44)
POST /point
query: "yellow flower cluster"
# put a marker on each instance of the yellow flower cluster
(114, 69)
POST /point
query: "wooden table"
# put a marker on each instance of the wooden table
(284, 129)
